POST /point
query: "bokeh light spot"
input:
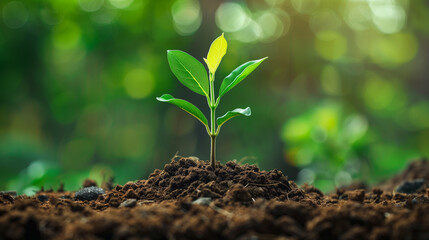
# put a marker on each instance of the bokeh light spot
(327, 118)
(66, 35)
(378, 93)
(15, 14)
(187, 16)
(121, 3)
(72, 57)
(104, 16)
(305, 6)
(355, 128)
(306, 175)
(36, 170)
(271, 26)
(138, 83)
(31, 190)
(231, 17)
(285, 20)
(357, 15)
(90, 5)
(343, 178)
(296, 129)
(251, 33)
(330, 45)
(389, 18)
(392, 50)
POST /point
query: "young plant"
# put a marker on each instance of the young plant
(191, 73)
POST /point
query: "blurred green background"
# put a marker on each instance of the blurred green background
(342, 97)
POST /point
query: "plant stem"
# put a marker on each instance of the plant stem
(212, 123)
(213, 152)
(213, 137)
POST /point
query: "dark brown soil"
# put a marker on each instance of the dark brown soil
(187, 180)
(188, 200)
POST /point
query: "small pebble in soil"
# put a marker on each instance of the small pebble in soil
(203, 201)
(410, 186)
(88, 193)
(129, 203)
(43, 198)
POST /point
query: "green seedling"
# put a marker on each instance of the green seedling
(191, 73)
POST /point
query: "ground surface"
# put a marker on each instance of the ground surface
(188, 200)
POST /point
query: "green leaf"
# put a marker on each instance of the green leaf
(216, 52)
(236, 76)
(189, 71)
(231, 114)
(185, 105)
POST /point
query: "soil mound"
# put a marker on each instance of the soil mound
(418, 169)
(189, 179)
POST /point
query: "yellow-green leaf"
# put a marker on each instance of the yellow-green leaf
(216, 53)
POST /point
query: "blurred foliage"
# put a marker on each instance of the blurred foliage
(343, 96)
